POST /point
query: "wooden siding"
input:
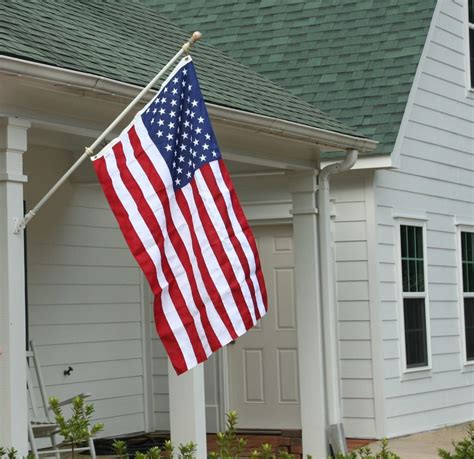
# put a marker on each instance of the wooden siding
(353, 302)
(84, 297)
(435, 181)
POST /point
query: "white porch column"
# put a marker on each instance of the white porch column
(13, 402)
(303, 186)
(188, 409)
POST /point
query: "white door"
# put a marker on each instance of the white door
(263, 364)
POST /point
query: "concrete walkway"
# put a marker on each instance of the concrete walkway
(425, 445)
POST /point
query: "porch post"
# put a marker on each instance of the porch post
(13, 401)
(188, 409)
(303, 186)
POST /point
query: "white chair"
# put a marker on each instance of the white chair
(42, 423)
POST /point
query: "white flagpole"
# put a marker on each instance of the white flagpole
(89, 151)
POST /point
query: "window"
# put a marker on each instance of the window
(414, 296)
(471, 41)
(467, 266)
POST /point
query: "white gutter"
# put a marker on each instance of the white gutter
(259, 123)
(328, 297)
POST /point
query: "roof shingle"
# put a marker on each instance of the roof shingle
(355, 59)
(127, 41)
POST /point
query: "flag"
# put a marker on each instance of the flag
(172, 195)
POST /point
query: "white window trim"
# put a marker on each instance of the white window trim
(401, 314)
(467, 51)
(462, 229)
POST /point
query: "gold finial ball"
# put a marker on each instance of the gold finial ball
(196, 36)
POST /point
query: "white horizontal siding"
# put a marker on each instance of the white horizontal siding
(84, 298)
(355, 345)
(436, 181)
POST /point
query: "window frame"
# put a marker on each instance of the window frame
(467, 49)
(421, 223)
(462, 228)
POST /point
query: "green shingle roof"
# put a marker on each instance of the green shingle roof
(355, 59)
(127, 41)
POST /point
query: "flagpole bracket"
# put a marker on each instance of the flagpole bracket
(20, 223)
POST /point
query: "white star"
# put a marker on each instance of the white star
(183, 147)
(173, 103)
(159, 133)
(185, 135)
(186, 123)
(174, 91)
(202, 157)
(181, 158)
(177, 181)
(205, 146)
(201, 119)
(154, 111)
(189, 87)
(194, 103)
(162, 111)
(152, 120)
(192, 115)
(196, 142)
(160, 122)
(188, 175)
(168, 147)
(179, 170)
(175, 80)
(147, 110)
(185, 72)
(190, 163)
(163, 100)
(172, 113)
(183, 84)
(193, 153)
(165, 90)
(188, 111)
(208, 137)
(169, 136)
(214, 153)
(198, 130)
(171, 125)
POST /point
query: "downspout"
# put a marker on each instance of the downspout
(328, 301)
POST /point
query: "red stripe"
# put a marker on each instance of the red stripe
(143, 258)
(206, 277)
(211, 182)
(175, 238)
(148, 216)
(222, 257)
(239, 213)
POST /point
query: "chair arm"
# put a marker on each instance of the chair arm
(68, 401)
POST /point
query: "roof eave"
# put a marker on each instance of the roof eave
(275, 126)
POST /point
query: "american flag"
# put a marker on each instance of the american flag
(174, 201)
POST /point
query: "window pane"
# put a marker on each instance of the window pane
(471, 54)
(467, 251)
(415, 332)
(411, 241)
(471, 10)
(469, 324)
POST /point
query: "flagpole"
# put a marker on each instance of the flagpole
(89, 151)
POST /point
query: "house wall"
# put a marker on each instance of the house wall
(84, 296)
(435, 180)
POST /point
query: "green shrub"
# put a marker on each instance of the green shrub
(366, 453)
(77, 428)
(463, 449)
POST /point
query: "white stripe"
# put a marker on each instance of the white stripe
(215, 270)
(180, 222)
(148, 242)
(240, 235)
(179, 273)
(221, 230)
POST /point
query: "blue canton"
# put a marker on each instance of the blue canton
(179, 125)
